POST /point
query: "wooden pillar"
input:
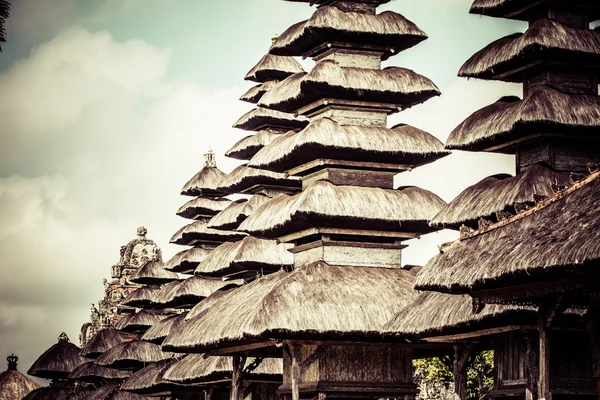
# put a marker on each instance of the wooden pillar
(295, 370)
(208, 393)
(594, 322)
(459, 369)
(544, 353)
(531, 366)
(236, 378)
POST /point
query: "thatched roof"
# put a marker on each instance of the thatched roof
(272, 67)
(212, 299)
(406, 209)
(393, 85)
(559, 236)
(58, 361)
(521, 9)
(139, 321)
(545, 39)
(323, 2)
(141, 297)
(237, 212)
(111, 391)
(262, 118)
(243, 178)
(187, 260)
(14, 385)
(436, 314)
(248, 146)
(166, 294)
(90, 372)
(202, 207)
(150, 380)
(543, 110)
(103, 340)
(325, 138)
(153, 272)
(249, 254)
(48, 393)
(498, 193)
(254, 94)
(313, 301)
(199, 368)
(389, 30)
(132, 355)
(204, 183)
(159, 331)
(196, 288)
(198, 232)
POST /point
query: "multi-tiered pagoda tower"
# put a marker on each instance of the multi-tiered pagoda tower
(347, 226)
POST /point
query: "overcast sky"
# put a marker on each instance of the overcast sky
(107, 107)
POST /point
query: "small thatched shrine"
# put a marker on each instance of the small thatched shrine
(13, 384)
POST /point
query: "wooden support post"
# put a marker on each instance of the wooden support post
(531, 367)
(295, 370)
(544, 354)
(236, 378)
(594, 322)
(459, 368)
(208, 392)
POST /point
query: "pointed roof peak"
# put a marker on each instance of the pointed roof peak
(209, 159)
(12, 362)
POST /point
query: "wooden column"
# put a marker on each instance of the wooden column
(531, 366)
(208, 393)
(459, 369)
(594, 322)
(544, 353)
(295, 370)
(237, 392)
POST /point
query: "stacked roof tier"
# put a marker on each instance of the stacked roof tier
(13, 384)
(524, 9)
(58, 361)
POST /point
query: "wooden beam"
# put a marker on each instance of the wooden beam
(243, 348)
(381, 343)
(350, 232)
(310, 360)
(320, 163)
(476, 334)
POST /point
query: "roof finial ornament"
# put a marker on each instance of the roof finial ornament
(63, 337)
(141, 231)
(12, 362)
(274, 38)
(209, 159)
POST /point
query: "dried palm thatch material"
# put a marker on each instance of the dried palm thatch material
(123, 320)
(204, 183)
(498, 193)
(58, 361)
(543, 109)
(14, 385)
(202, 207)
(314, 301)
(325, 138)
(79, 393)
(388, 30)
(142, 297)
(153, 273)
(198, 232)
(393, 85)
(90, 372)
(103, 340)
(158, 332)
(195, 288)
(545, 39)
(150, 380)
(48, 393)
(140, 321)
(166, 294)
(254, 94)
(186, 261)
(324, 2)
(407, 209)
(249, 254)
(558, 237)
(243, 178)
(262, 118)
(111, 391)
(212, 299)
(273, 68)
(250, 145)
(237, 212)
(436, 314)
(132, 355)
(521, 10)
(198, 368)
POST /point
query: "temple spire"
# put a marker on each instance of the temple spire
(209, 159)
(12, 362)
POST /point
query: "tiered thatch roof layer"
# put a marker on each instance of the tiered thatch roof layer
(202, 207)
(104, 340)
(388, 30)
(47, 393)
(250, 145)
(134, 354)
(111, 391)
(406, 209)
(544, 40)
(204, 183)
(521, 9)
(139, 321)
(498, 193)
(158, 332)
(187, 260)
(510, 118)
(196, 288)
(199, 232)
(325, 138)
(314, 301)
(243, 178)
(254, 94)
(559, 237)
(14, 385)
(90, 372)
(260, 118)
(142, 297)
(393, 85)
(249, 253)
(198, 368)
(237, 212)
(272, 67)
(153, 273)
(58, 361)
(150, 380)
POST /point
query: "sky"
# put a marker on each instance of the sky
(108, 106)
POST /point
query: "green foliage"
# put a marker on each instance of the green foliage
(435, 368)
